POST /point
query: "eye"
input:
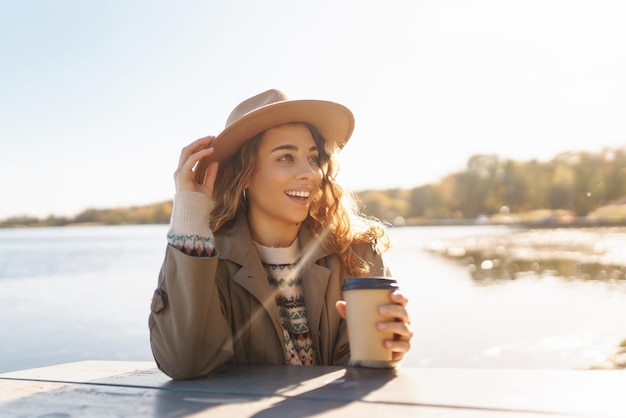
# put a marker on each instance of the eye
(286, 157)
(314, 159)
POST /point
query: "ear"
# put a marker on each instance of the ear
(341, 308)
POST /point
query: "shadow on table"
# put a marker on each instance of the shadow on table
(271, 391)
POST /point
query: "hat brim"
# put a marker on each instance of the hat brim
(334, 122)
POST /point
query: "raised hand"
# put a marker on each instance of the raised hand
(189, 158)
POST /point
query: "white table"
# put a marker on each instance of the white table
(138, 389)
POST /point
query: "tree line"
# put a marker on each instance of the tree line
(578, 183)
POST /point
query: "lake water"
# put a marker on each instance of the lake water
(78, 293)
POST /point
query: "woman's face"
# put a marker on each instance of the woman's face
(286, 179)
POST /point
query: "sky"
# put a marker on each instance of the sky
(97, 98)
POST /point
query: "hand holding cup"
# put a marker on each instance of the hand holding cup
(378, 322)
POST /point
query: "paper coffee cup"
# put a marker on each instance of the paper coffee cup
(363, 296)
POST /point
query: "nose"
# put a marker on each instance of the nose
(305, 170)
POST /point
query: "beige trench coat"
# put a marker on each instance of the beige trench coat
(210, 311)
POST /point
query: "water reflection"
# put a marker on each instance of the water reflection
(572, 254)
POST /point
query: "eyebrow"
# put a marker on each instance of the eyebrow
(291, 148)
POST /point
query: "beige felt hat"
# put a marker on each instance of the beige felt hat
(272, 108)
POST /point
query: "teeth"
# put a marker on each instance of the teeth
(297, 193)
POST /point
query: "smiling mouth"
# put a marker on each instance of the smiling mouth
(298, 193)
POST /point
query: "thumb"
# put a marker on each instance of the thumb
(341, 308)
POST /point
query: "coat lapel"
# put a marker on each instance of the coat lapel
(236, 245)
(315, 280)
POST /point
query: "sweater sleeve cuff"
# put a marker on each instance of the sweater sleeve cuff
(190, 215)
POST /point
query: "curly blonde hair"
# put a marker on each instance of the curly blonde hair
(333, 214)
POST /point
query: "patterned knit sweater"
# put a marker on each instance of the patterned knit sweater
(283, 274)
(191, 234)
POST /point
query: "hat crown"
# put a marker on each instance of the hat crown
(256, 102)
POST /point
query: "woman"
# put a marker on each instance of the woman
(260, 241)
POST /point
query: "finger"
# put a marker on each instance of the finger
(400, 330)
(194, 147)
(398, 346)
(394, 311)
(341, 308)
(400, 298)
(194, 158)
(184, 176)
(398, 350)
(397, 356)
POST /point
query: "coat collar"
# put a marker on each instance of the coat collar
(235, 244)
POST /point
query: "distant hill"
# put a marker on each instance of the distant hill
(157, 213)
